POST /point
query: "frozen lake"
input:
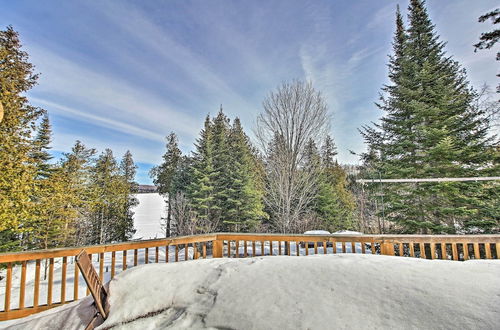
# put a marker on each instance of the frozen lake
(147, 216)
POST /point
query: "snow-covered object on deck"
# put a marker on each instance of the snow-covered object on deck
(348, 232)
(317, 232)
(343, 291)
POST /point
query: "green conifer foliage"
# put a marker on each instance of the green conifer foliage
(17, 168)
(41, 147)
(244, 209)
(430, 129)
(201, 191)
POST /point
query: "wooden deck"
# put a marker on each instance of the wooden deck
(219, 245)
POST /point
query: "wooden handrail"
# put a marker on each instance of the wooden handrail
(218, 245)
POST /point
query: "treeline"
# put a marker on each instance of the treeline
(435, 125)
(227, 184)
(80, 199)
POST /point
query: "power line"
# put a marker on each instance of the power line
(483, 178)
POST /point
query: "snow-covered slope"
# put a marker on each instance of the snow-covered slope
(147, 216)
(316, 292)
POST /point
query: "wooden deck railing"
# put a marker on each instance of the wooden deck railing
(38, 280)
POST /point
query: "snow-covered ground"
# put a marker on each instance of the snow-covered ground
(147, 216)
(347, 291)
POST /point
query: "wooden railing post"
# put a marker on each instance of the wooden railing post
(387, 248)
(218, 248)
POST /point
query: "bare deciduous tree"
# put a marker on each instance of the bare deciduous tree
(184, 219)
(293, 115)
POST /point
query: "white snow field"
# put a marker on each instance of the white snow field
(346, 291)
(147, 216)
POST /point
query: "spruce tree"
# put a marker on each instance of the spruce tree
(244, 208)
(201, 191)
(109, 193)
(335, 204)
(41, 146)
(77, 165)
(17, 168)
(163, 175)
(125, 229)
(430, 129)
(221, 168)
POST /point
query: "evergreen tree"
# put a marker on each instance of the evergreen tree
(430, 129)
(201, 191)
(333, 205)
(221, 168)
(109, 193)
(244, 208)
(17, 168)
(41, 146)
(77, 165)
(489, 39)
(125, 229)
(163, 175)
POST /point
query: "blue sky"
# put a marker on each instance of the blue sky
(123, 74)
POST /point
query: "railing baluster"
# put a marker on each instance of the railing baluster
(433, 250)
(176, 252)
(245, 249)
(477, 255)
(113, 264)
(146, 255)
(186, 252)
(374, 251)
(465, 246)
(76, 275)
(36, 289)
(262, 249)
(315, 247)
(444, 253)
(124, 260)
(412, 249)
(88, 291)
(8, 287)
(497, 245)
(229, 249)
(157, 252)
(237, 249)
(343, 247)
(487, 248)
(353, 247)
(454, 251)
(63, 280)
(325, 247)
(253, 249)
(334, 246)
(51, 281)
(270, 248)
(22, 288)
(101, 266)
(279, 248)
(167, 252)
(422, 250)
(297, 248)
(306, 245)
(195, 251)
(205, 250)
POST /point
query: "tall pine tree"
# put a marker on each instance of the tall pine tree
(18, 169)
(430, 128)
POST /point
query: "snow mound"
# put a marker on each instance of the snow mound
(348, 232)
(317, 232)
(280, 292)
